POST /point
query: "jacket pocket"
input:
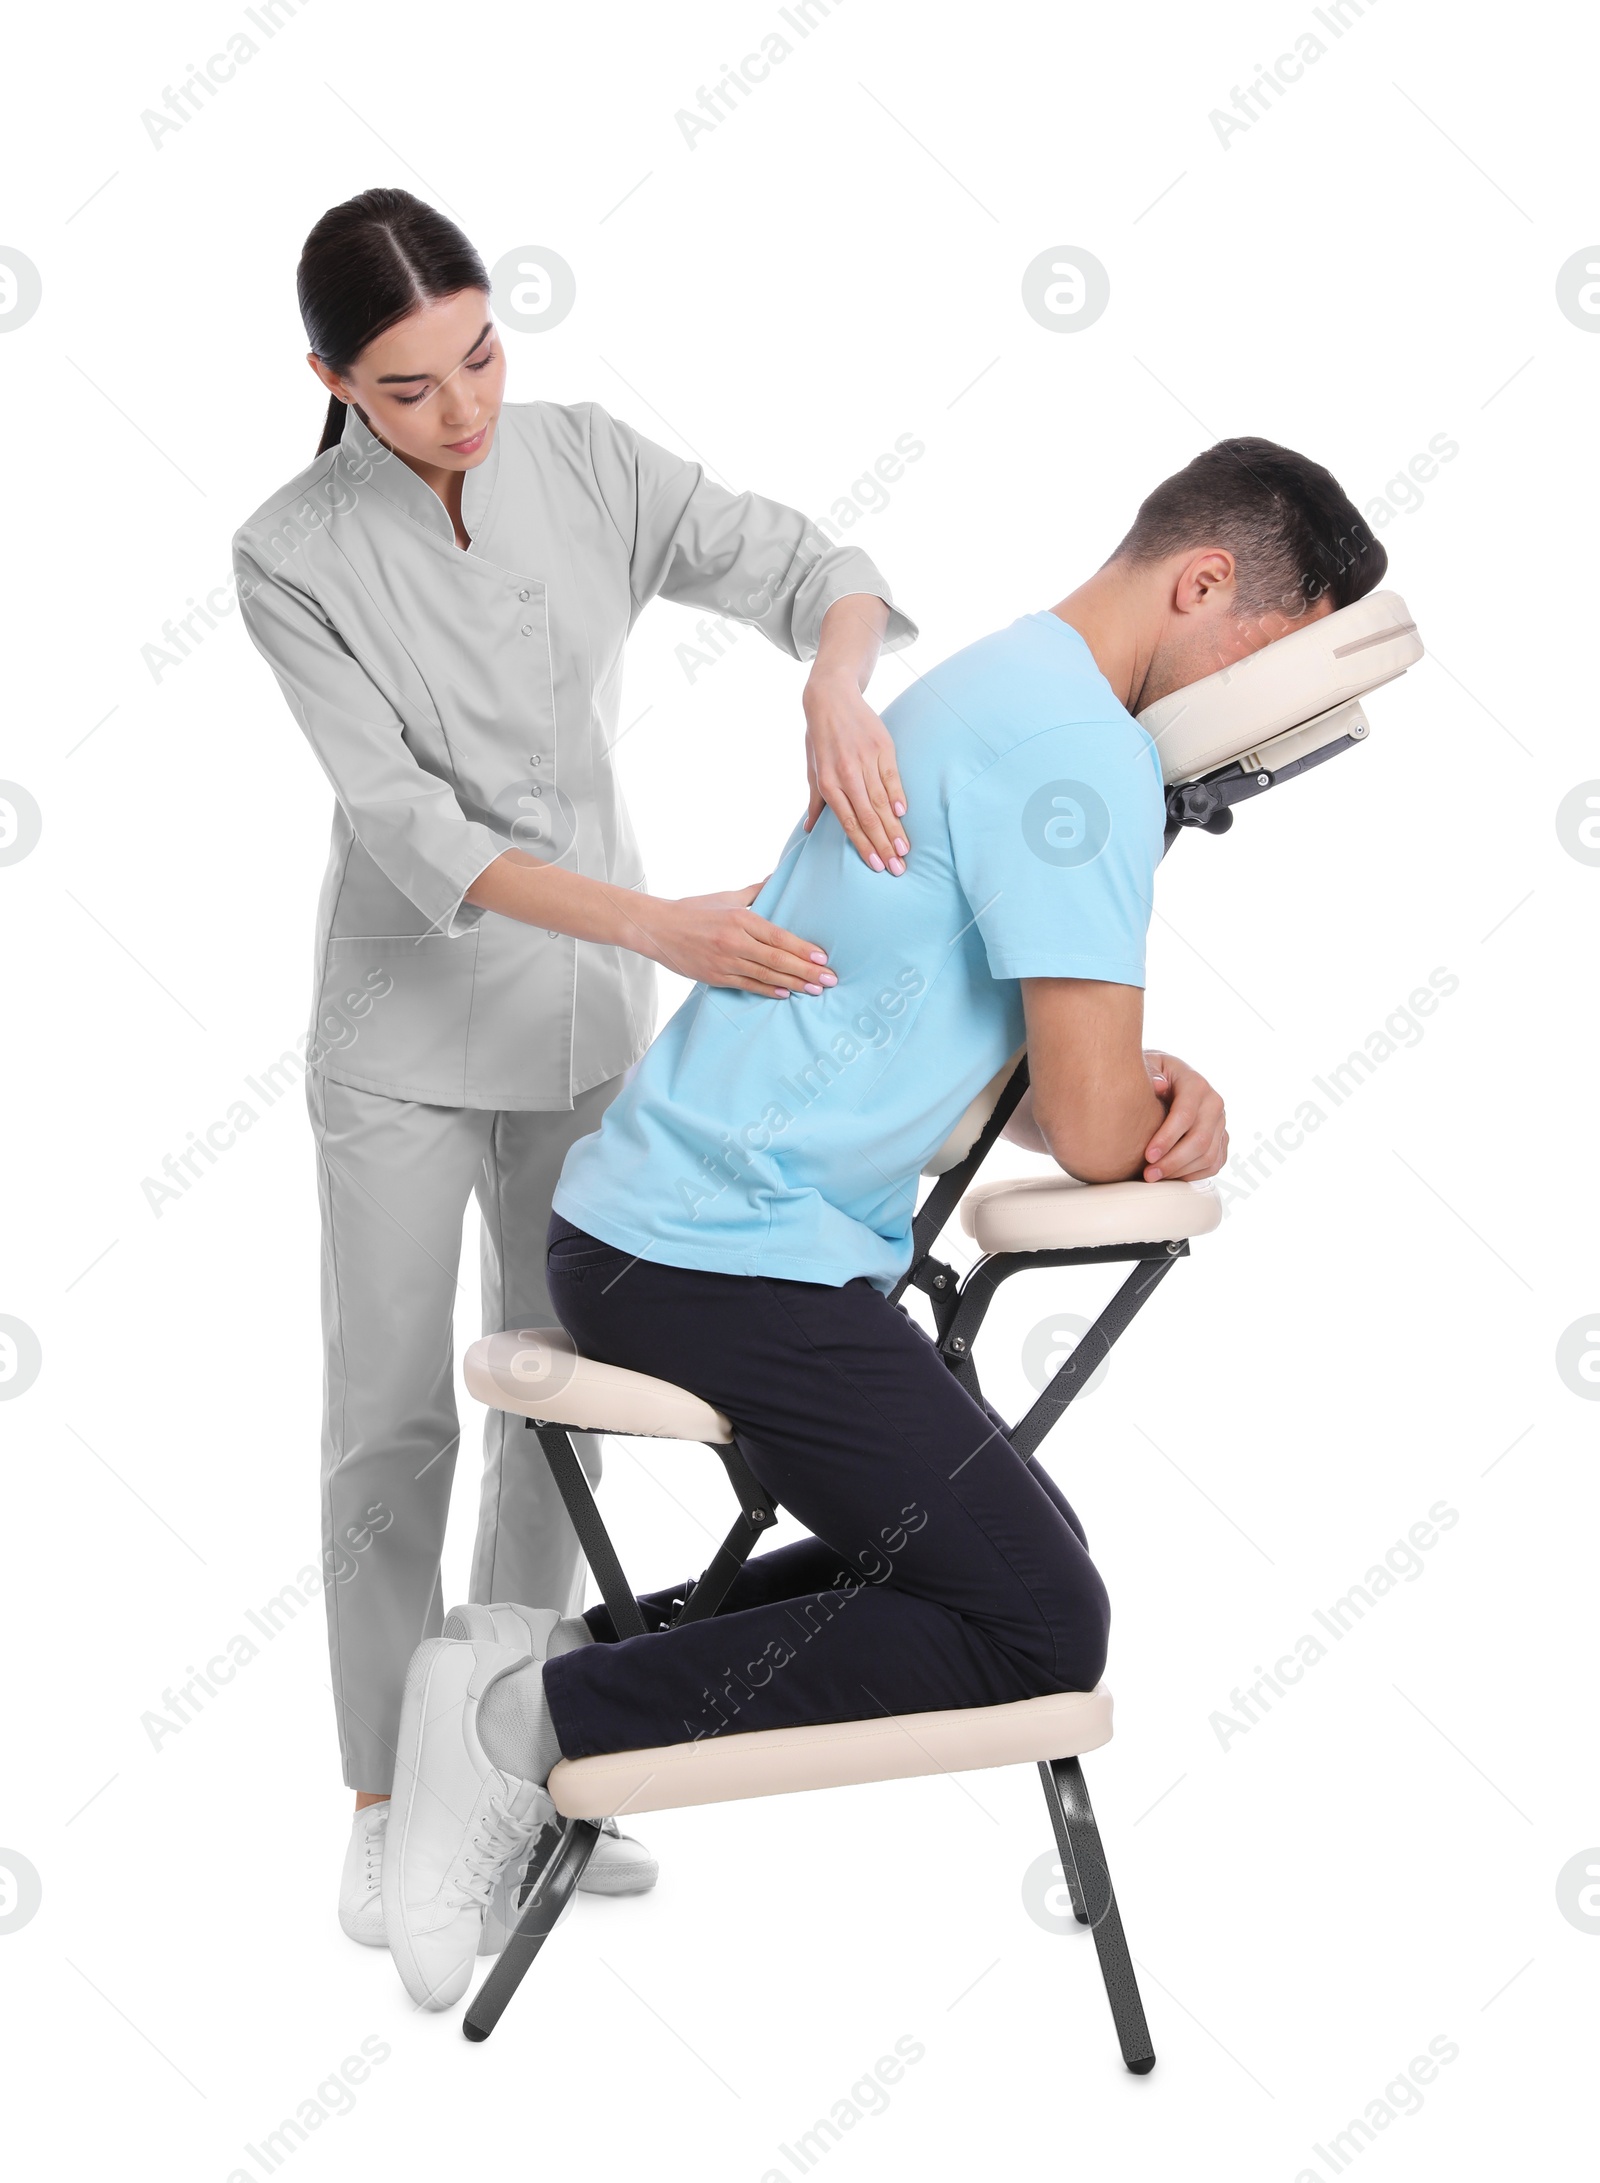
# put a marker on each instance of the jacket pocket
(392, 1011)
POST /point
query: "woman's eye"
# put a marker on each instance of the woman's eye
(410, 401)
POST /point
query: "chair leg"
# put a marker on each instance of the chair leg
(1058, 1823)
(1083, 1859)
(590, 1526)
(547, 1888)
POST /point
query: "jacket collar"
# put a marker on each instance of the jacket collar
(370, 463)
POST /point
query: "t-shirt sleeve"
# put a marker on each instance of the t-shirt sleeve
(1056, 844)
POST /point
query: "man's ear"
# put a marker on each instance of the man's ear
(1205, 582)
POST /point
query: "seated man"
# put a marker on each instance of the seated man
(739, 1219)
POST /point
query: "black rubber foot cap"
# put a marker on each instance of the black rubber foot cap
(472, 2032)
(1143, 2069)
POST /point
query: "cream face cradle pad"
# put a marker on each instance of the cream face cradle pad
(1286, 708)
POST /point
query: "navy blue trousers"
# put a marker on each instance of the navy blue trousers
(942, 1570)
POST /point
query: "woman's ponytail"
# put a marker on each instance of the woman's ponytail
(333, 429)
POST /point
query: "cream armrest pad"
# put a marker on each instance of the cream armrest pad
(1292, 680)
(536, 1372)
(1056, 1213)
(720, 1769)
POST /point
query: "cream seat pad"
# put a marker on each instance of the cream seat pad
(830, 1755)
(535, 1372)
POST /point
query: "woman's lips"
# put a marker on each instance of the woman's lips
(468, 447)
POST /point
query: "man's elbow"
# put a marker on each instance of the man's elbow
(1103, 1152)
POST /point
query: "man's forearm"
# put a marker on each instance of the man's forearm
(1092, 1099)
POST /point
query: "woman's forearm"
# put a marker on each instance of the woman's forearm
(520, 886)
(714, 938)
(850, 640)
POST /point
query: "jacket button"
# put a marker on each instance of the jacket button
(524, 594)
(527, 629)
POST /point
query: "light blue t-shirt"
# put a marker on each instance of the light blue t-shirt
(785, 1138)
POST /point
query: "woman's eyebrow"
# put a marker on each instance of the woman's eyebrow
(403, 378)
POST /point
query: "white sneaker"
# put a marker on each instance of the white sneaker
(503, 1624)
(361, 1885)
(502, 1910)
(456, 1820)
(619, 1865)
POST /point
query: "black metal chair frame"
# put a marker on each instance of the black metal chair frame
(960, 1305)
(556, 1862)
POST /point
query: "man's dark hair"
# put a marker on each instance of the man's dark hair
(1292, 530)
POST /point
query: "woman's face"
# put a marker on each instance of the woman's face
(433, 384)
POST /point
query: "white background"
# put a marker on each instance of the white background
(1374, 1864)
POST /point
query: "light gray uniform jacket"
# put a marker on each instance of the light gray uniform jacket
(465, 702)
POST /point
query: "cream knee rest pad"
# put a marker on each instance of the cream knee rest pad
(1291, 698)
(1057, 1213)
(831, 1755)
(535, 1372)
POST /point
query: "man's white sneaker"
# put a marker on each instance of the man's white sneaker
(504, 1624)
(456, 1819)
(501, 1912)
(620, 1865)
(361, 1885)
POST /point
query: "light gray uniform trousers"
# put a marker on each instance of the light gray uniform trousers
(394, 1177)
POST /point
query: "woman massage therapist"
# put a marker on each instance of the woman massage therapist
(444, 595)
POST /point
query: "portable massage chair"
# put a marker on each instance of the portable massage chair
(1222, 740)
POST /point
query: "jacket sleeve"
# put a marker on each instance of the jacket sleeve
(754, 559)
(407, 819)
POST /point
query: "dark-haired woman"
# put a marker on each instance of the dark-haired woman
(444, 595)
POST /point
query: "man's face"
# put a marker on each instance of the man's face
(1204, 633)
